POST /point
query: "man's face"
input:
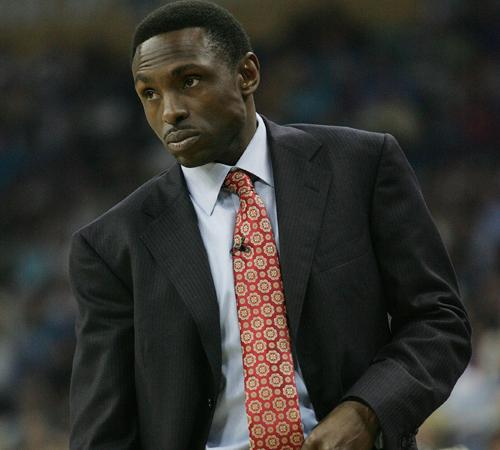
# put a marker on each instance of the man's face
(192, 99)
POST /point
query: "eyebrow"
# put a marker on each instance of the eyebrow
(185, 67)
(143, 78)
(175, 73)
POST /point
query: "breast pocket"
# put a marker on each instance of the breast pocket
(341, 251)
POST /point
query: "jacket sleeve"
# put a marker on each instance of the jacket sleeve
(430, 345)
(103, 413)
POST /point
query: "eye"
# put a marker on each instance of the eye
(191, 81)
(149, 94)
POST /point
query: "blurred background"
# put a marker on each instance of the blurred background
(73, 141)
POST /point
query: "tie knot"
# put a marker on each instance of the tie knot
(239, 182)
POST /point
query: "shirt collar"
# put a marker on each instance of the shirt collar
(204, 182)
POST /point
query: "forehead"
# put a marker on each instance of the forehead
(186, 45)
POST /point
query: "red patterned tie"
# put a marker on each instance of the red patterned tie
(271, 399)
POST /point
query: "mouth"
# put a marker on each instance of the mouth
(178, 146)
(180, 140)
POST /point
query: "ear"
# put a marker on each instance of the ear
(249, 74)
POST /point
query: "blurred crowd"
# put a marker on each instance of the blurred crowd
(73, 141)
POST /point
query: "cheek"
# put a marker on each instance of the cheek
(151, 118)
(227, 107)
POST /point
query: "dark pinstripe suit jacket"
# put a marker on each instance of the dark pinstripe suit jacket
(357, 246)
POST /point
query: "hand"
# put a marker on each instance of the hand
(350, 426)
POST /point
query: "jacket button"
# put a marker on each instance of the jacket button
(210, 403)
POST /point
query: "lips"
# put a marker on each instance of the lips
(180, 140)
(175, 137)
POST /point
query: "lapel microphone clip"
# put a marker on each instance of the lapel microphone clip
(239, 244)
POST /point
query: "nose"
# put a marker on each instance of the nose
(174, 110)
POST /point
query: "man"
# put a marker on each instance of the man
(195, 332)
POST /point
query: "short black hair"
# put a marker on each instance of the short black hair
(227, 34)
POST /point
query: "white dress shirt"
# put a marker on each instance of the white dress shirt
(216, 210)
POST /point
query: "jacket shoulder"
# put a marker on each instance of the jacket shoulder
(350, 152)
(343, 137)
(125, 216)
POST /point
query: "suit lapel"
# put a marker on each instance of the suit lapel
(301, 186)
(174, 240)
